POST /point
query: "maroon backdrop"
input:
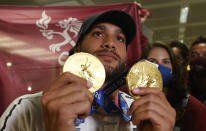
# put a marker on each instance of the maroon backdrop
(34, 42)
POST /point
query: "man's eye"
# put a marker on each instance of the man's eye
(121, 39)
(195, 55)
(98, 34)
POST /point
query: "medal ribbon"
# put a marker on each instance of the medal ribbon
(101, 97)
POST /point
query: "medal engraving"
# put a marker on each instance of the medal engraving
(144, 74)
(85, 72)
(88, 67)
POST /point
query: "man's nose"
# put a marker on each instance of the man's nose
(109, 43)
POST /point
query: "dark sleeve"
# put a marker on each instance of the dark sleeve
(194, 118)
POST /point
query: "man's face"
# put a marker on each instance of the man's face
(198, 50)
(107, 42)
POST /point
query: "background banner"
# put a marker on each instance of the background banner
(34, 43)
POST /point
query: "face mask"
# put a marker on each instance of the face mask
(166, 73)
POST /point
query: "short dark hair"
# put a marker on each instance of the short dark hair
(183, 48)
(200, 39)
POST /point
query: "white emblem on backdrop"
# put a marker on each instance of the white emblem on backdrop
(71, 24)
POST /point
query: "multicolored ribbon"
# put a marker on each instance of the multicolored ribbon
(101, 97)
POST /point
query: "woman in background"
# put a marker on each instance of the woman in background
(191, 113)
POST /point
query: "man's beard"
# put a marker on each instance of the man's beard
(111, 73)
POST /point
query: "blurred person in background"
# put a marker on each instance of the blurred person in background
(191, 113)
(181, 53)
(197, 80)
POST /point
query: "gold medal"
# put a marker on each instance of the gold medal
(88, 67)
(144, 74)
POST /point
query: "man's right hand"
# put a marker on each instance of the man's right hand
(65, 99)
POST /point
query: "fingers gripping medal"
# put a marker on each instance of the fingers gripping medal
(144, 74)
(88, 67)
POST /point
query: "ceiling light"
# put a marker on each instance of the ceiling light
(183, 14)
(182, 41)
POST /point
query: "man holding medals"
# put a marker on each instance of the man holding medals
(71, 103)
